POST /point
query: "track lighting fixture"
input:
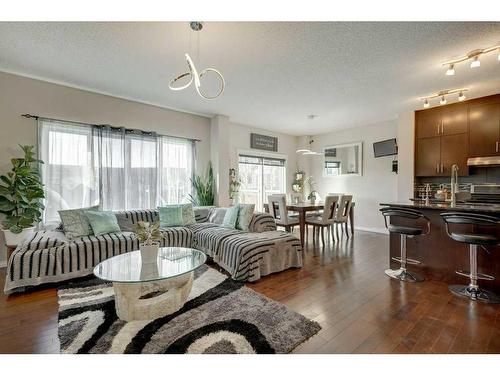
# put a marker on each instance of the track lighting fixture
(473, 56)
(451, 70)
(443, 94)
(475, 63)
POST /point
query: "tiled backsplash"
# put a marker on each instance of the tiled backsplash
(488, 175)
(419, 188)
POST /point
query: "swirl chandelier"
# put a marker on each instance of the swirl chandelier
(193, 74)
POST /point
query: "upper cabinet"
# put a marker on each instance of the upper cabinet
(441, 140)
(484, 120)
(441, 121)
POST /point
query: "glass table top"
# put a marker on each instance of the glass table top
(171, 262)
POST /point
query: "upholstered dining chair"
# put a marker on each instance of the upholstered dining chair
(342, 214)
(326, 219)
(277, 208)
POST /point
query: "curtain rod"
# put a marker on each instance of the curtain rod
(27, 115)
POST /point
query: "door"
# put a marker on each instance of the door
(484, 123)
(428, 157)
(260, 177)
(454, 150)
(428, 124)
(454, 121)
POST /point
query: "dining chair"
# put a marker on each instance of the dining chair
(342, 214)
(326, 219)
(277, 208)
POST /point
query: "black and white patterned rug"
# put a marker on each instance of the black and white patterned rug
(220, 316)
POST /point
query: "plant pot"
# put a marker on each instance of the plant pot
(14, 239)
(149, 253)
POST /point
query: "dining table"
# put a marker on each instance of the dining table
(304, 207)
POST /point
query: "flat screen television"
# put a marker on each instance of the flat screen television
(385, 148)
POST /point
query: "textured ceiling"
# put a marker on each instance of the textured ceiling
(277, 73)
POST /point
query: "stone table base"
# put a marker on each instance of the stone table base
(153, 299)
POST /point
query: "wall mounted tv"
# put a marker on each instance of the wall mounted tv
(385, 148)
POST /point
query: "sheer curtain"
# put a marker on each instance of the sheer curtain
(175, 169)
(118, 168)
(68, 172)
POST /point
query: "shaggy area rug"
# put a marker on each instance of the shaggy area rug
(220, 316)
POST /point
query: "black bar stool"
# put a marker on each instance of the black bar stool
(402, 273)
(473, 291)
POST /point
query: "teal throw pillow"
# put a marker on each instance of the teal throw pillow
(170, 216)
(176, 215)
(231, 217)
(103, 222)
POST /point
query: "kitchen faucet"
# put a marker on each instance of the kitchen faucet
(454, 184)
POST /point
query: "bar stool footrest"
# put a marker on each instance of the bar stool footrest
(404, 275)
(408, 260)
(480, 276)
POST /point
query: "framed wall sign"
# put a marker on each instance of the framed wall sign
(263, 142)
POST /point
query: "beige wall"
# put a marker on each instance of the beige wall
(19, 95)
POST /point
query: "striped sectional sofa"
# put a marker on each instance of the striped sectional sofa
(48, 256)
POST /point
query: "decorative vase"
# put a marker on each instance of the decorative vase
(149, 253)
(14, 239)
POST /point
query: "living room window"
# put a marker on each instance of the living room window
(260, 176)
(117, 168)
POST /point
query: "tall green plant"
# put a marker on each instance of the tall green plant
(21, 193)
(204, 188)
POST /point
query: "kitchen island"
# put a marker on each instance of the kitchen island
(440, 255)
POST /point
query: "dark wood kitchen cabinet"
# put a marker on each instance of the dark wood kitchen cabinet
(441, 121)
(484, 120)
(436, 155)
(442, 140)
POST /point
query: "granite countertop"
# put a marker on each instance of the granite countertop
(446, 206)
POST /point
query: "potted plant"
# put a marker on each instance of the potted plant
(204, 189)
(312, 190)
(21, 194)
(234, 186)
(149, 236)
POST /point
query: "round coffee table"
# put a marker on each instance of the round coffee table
(146, 291)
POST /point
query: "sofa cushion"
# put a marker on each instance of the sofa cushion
(231, 217)
(217, 215)
(75, 222)
(245, 215)
(102, 222)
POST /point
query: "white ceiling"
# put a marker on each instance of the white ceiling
(277, 73)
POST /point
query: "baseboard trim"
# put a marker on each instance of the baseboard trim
(372, 229)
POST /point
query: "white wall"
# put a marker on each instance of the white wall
(377, 184)
(19, 95)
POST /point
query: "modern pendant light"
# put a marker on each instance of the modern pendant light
(443, 101)
(426, 103)
(461, 96)
(193, 72)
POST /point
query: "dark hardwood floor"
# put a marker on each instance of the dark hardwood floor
(343, 287)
